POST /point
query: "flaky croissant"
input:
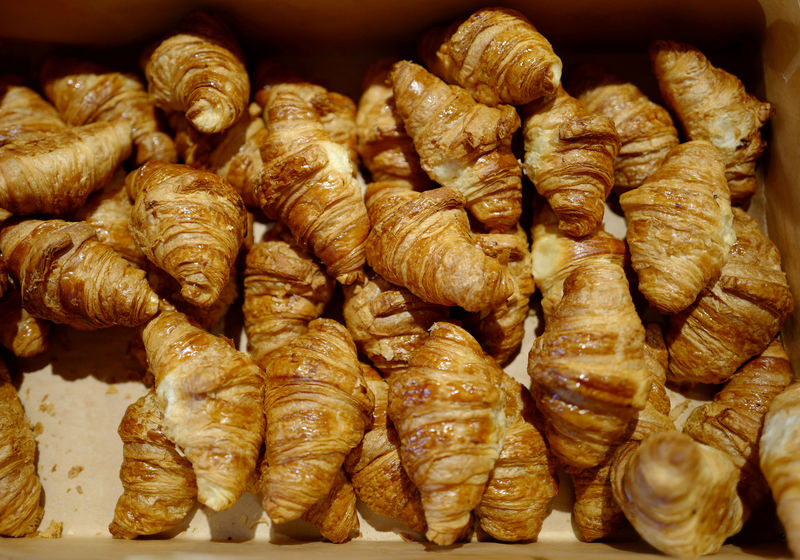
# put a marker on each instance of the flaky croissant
(461, 143)
(646, 131)
(54, 172)
(159, 487)
(422, 241)
(448, 409)
(67, 276)
(496, 54)
(318, 406)
(679, 226)
(335, 514)
(713, 105)
(211, 397)
(20, 489)
(735, 317)
(569, 157)
(588, 372)
(199, 70)
(23, 111)
(188, 222)
(21, 332)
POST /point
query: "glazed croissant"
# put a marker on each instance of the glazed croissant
(448, 409)
(588, 372)
(496, 54)
(67, 276)
(318, 406)
(84, 92)
(569, 157)
(422, 241)
(679, 226)
(188, 222)
(21, 332)
(54, 172)
(20, 495)
(779, 459)
(211, 396)
(646, 131)
(23, 111)
(159, 487)
(335, 514)
(735, 317)
(713, 105)
(199, 70)
(462, 144)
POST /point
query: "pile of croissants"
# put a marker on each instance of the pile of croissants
(129, 199)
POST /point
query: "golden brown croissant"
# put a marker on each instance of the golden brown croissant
(496, 54)
(284, 290)
(569, 157)
(646, 131)
(679, 495)
(211, 397)
(67, 276)
(20, 495)
(780, 460)
(23, 111)
(388, 322)
(374, 464)
(679, 226)
(588, 373)
(523, 481)
(335, 514)
(735, 317)
(199, 70)
(188, 222)
(422, 241)
(21, 332)
(318, 406)
(54, 172)
(448, 409)
(309, 183)
(159, 487)
(713, 105)
(461, 143)
(84, 92)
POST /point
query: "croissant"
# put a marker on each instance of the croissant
(735, 317)
(569, 157)
(188, 222)
(309, 183)
(67, 276)
(284, 290)
(496, 54)
(5, 282)
(461, 143)
(54, 172)
(679, 226)
(211, 396)
(23, 111)
(335, 514)
(448, 408)
(20, 490)
(523, 481)
(679, 495)
(21, 332)
(713, 105)
(84, 92)
(318, 406)
(779, 459)
(374, 464)
(199, 70)
(422, 241)
(646, 131)
(159, 487)
(588, 372)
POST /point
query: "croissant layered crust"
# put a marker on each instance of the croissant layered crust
(23, 111)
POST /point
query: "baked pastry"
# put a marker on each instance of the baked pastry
(21, 332)
(335, 514)
(23, 111)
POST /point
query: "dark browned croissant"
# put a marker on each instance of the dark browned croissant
(21, 332)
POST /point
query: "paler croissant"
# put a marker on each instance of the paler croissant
(21, 332)
(679, 226)
(713, 105)
(448, 409)
(496, 54)
(461, 143)
(569, 157)
(335, 514)
(23, 111)
(67, 276)
(159, 487)
(735, 317)
(211, 397)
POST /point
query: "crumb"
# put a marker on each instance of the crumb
(54, 468)
(53, 531)
(79, 489)
(74, 471)
(47, 408)
(69, 490)
(38, 429)
(112, 390)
